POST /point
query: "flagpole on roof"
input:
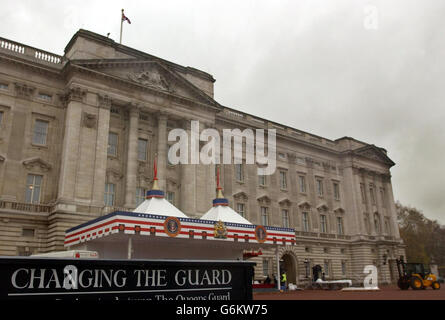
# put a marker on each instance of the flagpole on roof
(122, 24)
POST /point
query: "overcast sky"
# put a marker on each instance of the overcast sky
(371, 70)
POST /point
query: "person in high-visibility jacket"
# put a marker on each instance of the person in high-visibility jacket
(283, 281)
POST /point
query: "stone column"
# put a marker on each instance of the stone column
(205, 180)
(71, 139)
(352, 201)
(391, 205)
(292, 187)
(313, 196)
(132, 157)
(188, 182)
(162, 151)
(100, 165)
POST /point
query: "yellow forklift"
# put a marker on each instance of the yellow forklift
(415, 275)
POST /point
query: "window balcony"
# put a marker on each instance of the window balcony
(24, 207)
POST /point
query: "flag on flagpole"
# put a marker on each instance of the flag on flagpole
(124, 18)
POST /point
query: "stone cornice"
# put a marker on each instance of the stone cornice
(370, 152)
(241, 196)
(384, 176)
(285, 202)
(36, 161)
(264, 200)
(304, 204)
(322, 207)
(113, 173)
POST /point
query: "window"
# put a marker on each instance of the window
(339, 225)
(319, 183)
(377, 223)
(44, 96)
(281, 155)
(40, 132)
(382, 195)
(285, 217)
(343, 268)
(372, 193)
(142, 149)
(140, 196)
(305, 217)
(112, 144)
(302, 183)
(363, 193)
(336, 191)
(3, 86)
(265, 267)
(114, 110)
(323, 224)
(283, 179)
(262, 180)
(33, 188)
(28, 233)
(1, 118)
(264, 216)
(109, 194)
(239, 172)
(170, 197)
(327, 268)
(240, 208)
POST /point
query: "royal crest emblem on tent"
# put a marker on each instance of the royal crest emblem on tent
(220, 230)
(172, 226)
(260, 234)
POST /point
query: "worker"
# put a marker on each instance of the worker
(283, 281)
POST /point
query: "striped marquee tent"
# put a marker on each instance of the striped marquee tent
(158, 230)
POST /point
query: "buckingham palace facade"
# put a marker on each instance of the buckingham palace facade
(79, 134)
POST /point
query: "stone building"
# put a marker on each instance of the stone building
(79, 134)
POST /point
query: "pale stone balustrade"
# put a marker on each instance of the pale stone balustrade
(29, 52)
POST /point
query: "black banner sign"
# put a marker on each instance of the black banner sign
(157, 280)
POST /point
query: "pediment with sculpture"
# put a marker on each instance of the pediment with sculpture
(149, 74)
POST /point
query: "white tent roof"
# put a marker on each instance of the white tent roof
(225, 214)
(159, 206)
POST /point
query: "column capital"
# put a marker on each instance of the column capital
(74, 93)
(104, 101)
(292, 157)
(186, 124)
(162, 116)
(23, 90)
(133, 109)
